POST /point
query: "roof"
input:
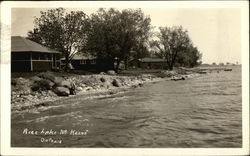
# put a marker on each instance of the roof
(151, 59)
(81, 57)
(21, 44)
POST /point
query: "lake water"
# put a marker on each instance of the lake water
(204, 111)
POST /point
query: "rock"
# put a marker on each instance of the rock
(79, 88)
(111, 72)
(134, 86)
(140, 84)
(65, 83)
(102, 73)
(42, 84)
(116, 83)
(175, 78)
(14, 82)
(166, 73)
(72, 90)
(82, 85)
(103, 79)
(62, 91)
(105, 85)
(47, 75)
(35, 78)
(88, 88)
(57, 80)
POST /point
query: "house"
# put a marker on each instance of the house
(88, 63)
(148, 63)
(29, 56)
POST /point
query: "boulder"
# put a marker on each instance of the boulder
(140, 85)
(166, 73)
(35, 78)
(58, 80)
(42, 84)
(116, 83)
(111, 72)
(79, 88)
(47, 75)
(102, 73)
(103, 79)
(175, 78)
(105, 85)
(66, 84)
(72, 89)
(61, 91)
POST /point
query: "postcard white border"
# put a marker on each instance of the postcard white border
(5, 79)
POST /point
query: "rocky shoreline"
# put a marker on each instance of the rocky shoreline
(44, 88)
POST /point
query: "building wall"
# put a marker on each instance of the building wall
(87, 65)
(21, 61)
(20, 66)
(42, 65)
(152, 65)
(135, 64)
(91, 64)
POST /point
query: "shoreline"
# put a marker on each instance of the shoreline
(90, 86)
(26, 101)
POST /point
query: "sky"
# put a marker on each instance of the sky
(215, 31)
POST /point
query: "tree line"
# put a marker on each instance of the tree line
(117, 35)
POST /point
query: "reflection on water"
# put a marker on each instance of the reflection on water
(200, 112)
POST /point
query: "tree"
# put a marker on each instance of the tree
(115, 34)
(64, 32)
(221, 64)
(171, 43)
(190, 57)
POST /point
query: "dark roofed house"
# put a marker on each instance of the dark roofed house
(27, 55)
(148, 63)
(88, 63)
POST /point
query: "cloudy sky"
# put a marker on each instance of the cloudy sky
(215, 31)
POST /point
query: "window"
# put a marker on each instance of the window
(83, 62)
(92, 61)
(35, 56)
(20, 56)
(44, 56)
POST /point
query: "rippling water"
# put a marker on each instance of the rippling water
(201, 112)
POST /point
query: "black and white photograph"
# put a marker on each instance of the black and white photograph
(131, 76)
